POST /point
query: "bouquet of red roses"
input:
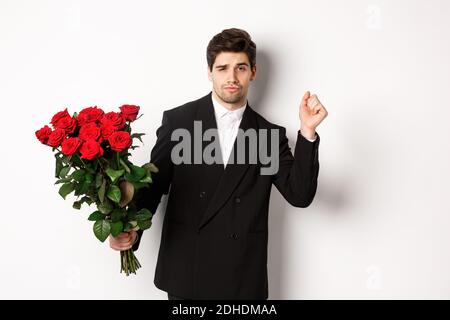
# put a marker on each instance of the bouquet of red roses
(91, 151)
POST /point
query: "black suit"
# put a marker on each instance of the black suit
(215, 230)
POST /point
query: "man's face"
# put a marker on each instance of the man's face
(231, 76)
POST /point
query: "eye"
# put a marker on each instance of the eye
(242, 68)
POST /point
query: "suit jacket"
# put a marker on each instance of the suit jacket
(215, 228)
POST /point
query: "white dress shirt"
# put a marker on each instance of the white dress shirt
(227, 126)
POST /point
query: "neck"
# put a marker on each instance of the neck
(230, 106)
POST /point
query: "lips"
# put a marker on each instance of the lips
(232, 89)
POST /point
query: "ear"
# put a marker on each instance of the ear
(209, 73)
(253, 76)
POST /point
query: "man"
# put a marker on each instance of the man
(215, 229)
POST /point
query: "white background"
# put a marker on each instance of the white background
(379, 225)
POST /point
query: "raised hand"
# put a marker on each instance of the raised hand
(312, 113)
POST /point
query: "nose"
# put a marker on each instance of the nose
(232, 79)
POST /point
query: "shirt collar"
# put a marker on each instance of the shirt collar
(221, 111)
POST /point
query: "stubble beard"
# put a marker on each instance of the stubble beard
(232, 97)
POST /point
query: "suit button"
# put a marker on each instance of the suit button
(237, 200)
(202, 194)
(234, 236)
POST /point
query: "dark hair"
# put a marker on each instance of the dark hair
(231, 40)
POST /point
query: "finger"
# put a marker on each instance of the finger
(122, 246)
(128, 246)
(316, 109)
(119, 247)
(124, 240)
(312, 101)
(306, 95)
(323, 111)
(120, 239)
(123, 235)
(305, 98)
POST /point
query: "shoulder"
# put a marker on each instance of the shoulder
(185, 111)
(263, 123)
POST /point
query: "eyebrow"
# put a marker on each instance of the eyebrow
(238, 64)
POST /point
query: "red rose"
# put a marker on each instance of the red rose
(68, 124)
(120, 141)
(58, 116)
(113, 119)
(91, 149)
(129, 111)
(43, 134)
(89, 131)
(56, 137)
(107, 131)
(70, 146)
(88, 115)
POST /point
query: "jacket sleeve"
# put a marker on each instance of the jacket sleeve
(296, 178)
(150, 197)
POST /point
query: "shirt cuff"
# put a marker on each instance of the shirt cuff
(310, 140)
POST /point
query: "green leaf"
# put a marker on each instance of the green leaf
(87, 199)
(117, 215)
(146, 179)
(96, 216)
(116, 228)
(130, 213)
(77, 161)
(114, 174)
(139, 185)
(143, 214)
(77, 205)
(78, 187)
(64, 180)
(131, 225)
(137, 173)
(102, 229)
(98, 180)
(79, 175)
(125, 166)
(66, 159)
(86, 185)
(101, 191)
(105, 207)
(66, 189)
(89, 168)
(150, 167)
(64, 171)
(58, 166)
(114, 193)
(144, 224)
(89, 178)
(82, 188)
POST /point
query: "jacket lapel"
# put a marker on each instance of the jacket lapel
(233, 172)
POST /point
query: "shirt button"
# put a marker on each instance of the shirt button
(237, 200)
(202, 194)
(234, 236)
